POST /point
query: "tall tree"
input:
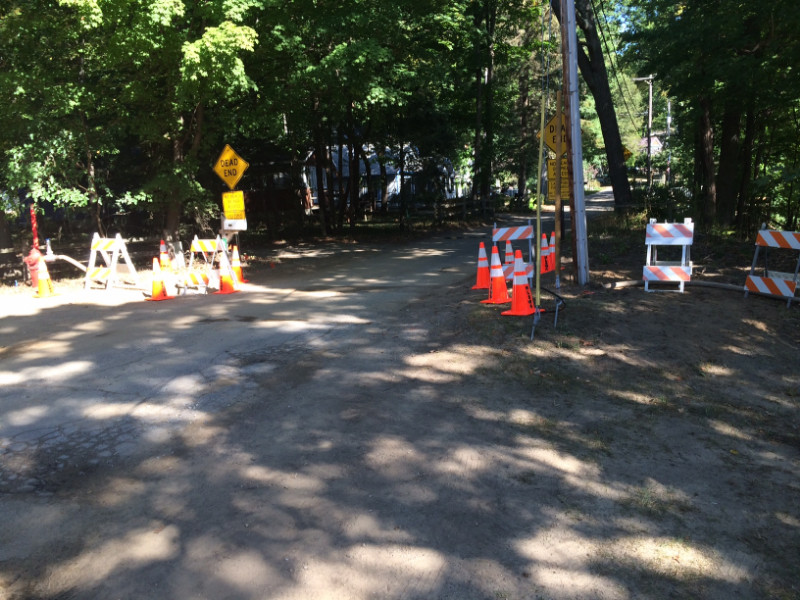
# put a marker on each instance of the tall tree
(593, 70)
(731, 66)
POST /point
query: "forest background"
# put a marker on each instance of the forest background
(114, 106)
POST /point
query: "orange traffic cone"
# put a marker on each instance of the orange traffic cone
(552, 251)
(482, 280)
(236, 265)
(45, 286)
(508, 265)
(227, 278)
(163, 256)
(521, 297)
(159, 290)
(544, 262)
(498, 292)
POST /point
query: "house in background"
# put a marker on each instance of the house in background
(413, 176)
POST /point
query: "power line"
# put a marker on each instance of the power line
(614, 68)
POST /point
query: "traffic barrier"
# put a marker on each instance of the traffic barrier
(163, 257)
(159, 289)
(509, 234)
(199, 274)
(236, 265)
(521, 298)
(482, 278)
(508, 258)
(771, 282)
(110, 250)
(45, 284)
(668, 234)
(227, 278)
(547, 261)
(498, 291)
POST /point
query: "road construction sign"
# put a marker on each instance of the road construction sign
(552, 131)
(626, 154)
(551, 178)
(230, 166)
(233, 211)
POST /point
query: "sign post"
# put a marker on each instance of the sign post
(552, 178)
(233, 211)
(552, 132)
(230, 167)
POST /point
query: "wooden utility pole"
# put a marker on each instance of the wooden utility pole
(570, 43)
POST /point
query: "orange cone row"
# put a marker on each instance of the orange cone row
(498, 292)
(494, 279)
(230, 274)
(521, 297)
(45, 287)
(482, 279)
(548, 252)
(159, 289)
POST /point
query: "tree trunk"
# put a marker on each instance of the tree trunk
(729, 174)
(477, 159)
(593, 70)
(368, 175)
(384, 178)
(709, 198)
(746, 154)
(341, 204)
(5, 231)
(524, 135)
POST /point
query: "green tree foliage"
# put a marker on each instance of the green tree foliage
(732, 68)
(114, 102)
(86, 82)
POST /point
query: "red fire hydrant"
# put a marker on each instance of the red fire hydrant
(32, 262)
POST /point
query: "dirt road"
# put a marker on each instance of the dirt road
(355, 424)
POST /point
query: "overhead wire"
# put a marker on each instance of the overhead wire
(614, 68)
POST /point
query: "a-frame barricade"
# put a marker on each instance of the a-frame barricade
(110, 250)
(510, 234)
(668, 234)
(200, 273)
(771, 282)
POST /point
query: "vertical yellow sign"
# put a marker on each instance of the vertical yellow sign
(551, 178)
(233, 210)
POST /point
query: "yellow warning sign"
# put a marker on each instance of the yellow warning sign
(551, 178)
(230, 166)
(233, 210)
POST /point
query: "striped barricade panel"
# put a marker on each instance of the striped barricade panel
(779, 239)
(524, 232)
(669, 234)
(197, 279)
(204, 245)
(667, 273)
(773, 286)
(508, 271)
(99, 274)
(106, 244)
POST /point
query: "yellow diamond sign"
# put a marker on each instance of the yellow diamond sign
(552, 131)
(230, 166)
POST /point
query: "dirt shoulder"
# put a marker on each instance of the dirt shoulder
(645, 446)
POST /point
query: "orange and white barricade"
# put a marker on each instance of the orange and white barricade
(668, 234)
(110, 250)
(770, 282)
(510, 234)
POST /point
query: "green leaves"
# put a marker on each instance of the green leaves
(215, 58)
